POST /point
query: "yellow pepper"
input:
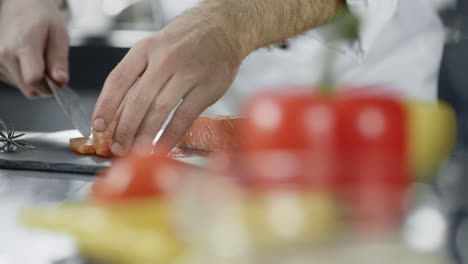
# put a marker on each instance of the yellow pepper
(432, 136)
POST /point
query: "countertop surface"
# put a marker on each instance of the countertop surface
(20, 189)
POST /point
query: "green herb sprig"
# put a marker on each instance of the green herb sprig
(10, 141)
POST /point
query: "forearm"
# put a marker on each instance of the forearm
(254, 24)
(60, 3)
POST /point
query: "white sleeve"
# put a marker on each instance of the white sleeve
(373, 16)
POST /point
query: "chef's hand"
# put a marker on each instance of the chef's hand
(33, 40)
(191, 59)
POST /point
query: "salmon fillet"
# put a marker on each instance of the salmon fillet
(83, 145)
(103, 140)
(208, 133)
(99, 144)
(212, 133)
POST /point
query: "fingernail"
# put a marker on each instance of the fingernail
(61, 75)
(99, 125)
(117, 149)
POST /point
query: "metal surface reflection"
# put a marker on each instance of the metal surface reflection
(19, 189)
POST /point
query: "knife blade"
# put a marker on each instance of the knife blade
(70, 103)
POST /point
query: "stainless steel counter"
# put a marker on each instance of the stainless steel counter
(19, 189)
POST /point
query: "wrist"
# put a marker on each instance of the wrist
(203, 26)
(225, 25)
(242, 41)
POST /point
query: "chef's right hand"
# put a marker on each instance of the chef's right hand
(33, 41)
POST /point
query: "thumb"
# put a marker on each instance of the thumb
(57, 53)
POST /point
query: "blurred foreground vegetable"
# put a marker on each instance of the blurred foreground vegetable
(129, 219)
(139, 176)
(365, 145)
(135, 232)
(432, 136)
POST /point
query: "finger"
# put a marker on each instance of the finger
(6, 59)
(32, 68)
(43, 89)
(160, 109)
(121, 106)
(14, 71)
(117, 85)
(192, 106)
(32, 65)
(57, 52)
(32, 71)
(5, 76)
(138, 102)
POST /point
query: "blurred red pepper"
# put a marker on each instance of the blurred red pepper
(374, 160)
(351, 143)
(139, 176)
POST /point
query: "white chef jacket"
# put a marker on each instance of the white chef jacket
(400, 46)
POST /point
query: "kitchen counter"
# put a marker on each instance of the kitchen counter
(41, 187)
(19, 189)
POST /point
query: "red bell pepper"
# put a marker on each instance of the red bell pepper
(139, 176)
(351, 143)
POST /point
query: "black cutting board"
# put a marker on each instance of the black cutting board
(52, 153)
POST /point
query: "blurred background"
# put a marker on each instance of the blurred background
(102, 31)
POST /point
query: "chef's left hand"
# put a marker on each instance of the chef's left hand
(193, 59)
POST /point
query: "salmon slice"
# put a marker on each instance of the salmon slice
(212, 133)
(83, 145)
(208, 133)
(178, 153)
(103, 140)
(99, 144)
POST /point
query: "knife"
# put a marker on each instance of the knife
(69, 101)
